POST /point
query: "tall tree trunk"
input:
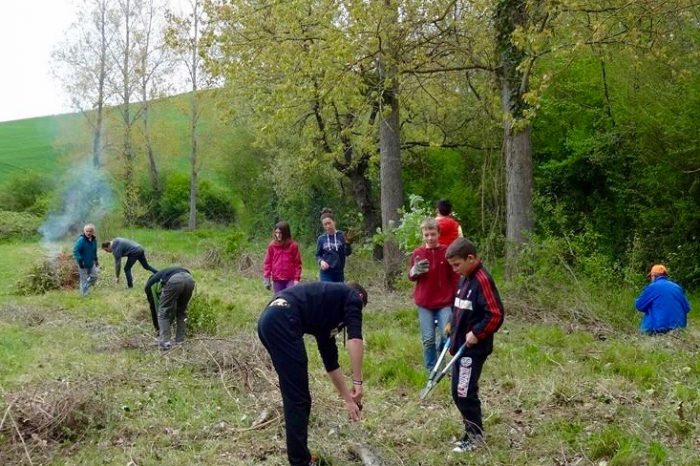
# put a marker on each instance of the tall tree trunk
(101, 78)
(194, 67)
(147, 72)
(192, 222)
(517, 144)
(152, 165)
(390, 180)
(361, 189)
(390, 145)
(127, 150)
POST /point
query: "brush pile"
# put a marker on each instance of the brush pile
(39, 419)
(53, 273)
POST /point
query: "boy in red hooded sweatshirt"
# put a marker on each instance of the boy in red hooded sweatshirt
(435, 289)
(282, 264)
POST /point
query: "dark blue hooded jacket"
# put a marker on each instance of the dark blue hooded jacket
(85, 251)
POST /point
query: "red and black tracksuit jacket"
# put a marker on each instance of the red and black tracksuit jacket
(477, 308)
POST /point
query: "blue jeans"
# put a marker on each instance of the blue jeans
(87, 278)
(427, 319)
(331, 276)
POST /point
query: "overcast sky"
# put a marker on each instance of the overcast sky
(29, 30)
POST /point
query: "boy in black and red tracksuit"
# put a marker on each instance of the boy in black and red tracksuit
(476, 315)
(320, 309)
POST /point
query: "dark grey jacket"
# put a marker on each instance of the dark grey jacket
(122, 247)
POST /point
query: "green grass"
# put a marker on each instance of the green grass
(553, 392)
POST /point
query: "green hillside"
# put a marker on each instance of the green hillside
(39, 143)
(29, 144)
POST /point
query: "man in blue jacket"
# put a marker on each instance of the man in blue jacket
(85, 254)
(663, 303)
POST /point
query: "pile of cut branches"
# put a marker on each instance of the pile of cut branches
(53, 273)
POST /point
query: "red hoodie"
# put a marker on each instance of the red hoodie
(282, 261)
(435, 288)
(449, 230)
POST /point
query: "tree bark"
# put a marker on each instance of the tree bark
(517, 144)
(390, 180)
(390, 145)
(194, 117)
(101, 78)
(127, 149)
(147, 70)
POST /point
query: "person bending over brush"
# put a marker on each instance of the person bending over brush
(320, 309)
(477, 314)
(120, 247)
(168, 293)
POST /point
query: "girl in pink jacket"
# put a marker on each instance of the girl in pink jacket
(282, 265)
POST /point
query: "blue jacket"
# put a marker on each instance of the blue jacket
(85, 251)
(664, 305)
(333, 249)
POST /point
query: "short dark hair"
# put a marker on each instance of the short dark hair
(285, 232)
(444, 206)
(462, 248)
(360, 290)
(327, 213)
(106, 244)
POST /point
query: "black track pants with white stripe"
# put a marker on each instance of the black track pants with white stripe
(465, 391)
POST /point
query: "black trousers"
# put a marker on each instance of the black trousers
(465, 391)
(130, 261)
(279, 329)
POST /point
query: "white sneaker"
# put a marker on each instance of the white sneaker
(464, 446)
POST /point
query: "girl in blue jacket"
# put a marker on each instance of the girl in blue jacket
(331, 249)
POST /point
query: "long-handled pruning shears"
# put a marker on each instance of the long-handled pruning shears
(436, 374)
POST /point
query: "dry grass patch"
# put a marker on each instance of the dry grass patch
(37, 420)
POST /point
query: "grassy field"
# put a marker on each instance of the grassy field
(83, 381)
(26, 144)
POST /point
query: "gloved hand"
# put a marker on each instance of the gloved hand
(448, 329)
(420, 266)
(267, 282)
(350, 237)
(81, 264)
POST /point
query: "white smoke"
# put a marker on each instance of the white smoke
(87, 197)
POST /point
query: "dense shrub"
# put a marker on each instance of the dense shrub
(215, 203)
(26, 192)
(201, 314)
(18, 225)
(169, 205)
(173, 205)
